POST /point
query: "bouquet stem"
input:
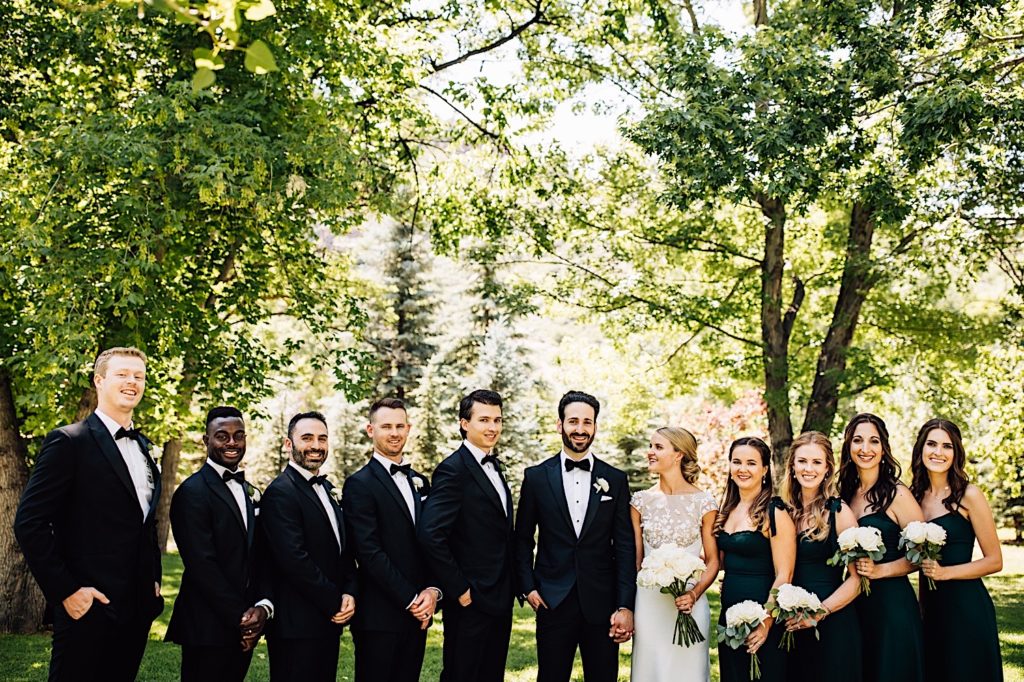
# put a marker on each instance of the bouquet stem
(931, 584)
(865, 586)
(755, 668)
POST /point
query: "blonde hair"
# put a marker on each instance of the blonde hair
(683, 442)
(99, 368)
(815, 515)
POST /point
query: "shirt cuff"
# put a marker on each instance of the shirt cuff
(414, 598)
(268, 605)
(440, 594)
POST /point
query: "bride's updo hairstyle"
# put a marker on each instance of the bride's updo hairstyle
(684, 443)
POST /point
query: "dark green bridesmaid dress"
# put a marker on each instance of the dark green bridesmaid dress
(961, 641)
(749, 574)
(836, 652)
(890, 619)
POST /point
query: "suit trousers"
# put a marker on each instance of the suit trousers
(560, 631)
(95, 648)
(214, 663)
(389, 656)
(475, 644)
(303, 660)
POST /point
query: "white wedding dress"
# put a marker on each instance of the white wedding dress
(667, 519)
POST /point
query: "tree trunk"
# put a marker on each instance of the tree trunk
(775, 330)
(169, 460)
(87, 403)
(21, 601)
(857, 281)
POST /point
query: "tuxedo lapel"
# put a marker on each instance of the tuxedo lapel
(595, 495)
(306, 490)
(384, 478)
(554, 476)
(417, 503)
(219, 487)
(250, 515)
(329, 487)
(108, 448)
(480, 476)
(155, 473)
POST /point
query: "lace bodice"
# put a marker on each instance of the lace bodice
(671, 518)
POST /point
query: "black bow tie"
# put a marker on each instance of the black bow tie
(401, 469)
(492, 459)
(321, 479)
(234, 476)
(134, 434)
(571, 464)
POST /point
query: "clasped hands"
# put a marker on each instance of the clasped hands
(251, 626)
(423, 607)
(345, 611)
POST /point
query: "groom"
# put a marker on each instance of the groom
(584, 574)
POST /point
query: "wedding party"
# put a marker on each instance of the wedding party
(827, 553)
(518, 340)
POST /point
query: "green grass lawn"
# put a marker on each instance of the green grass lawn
(23, 658)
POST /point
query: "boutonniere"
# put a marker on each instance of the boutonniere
(254, 493)
(417, 482)
(336, 494)
(601, 485)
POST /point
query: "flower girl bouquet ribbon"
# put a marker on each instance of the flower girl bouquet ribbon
(790, 601)
(670, 569)
(859, 542)
(922, 540)
(740, 620)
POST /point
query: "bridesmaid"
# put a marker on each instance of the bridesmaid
(960, 637)
(890, 622)
(757, 544)
(809, 488)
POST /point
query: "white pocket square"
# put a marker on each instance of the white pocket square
(423, 498)
(606, 498)
(256, 511)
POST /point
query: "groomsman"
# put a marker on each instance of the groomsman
(466, 533)
(383, 502)
(217, 619)
(584, 574)
(86, 524)
(312, 570)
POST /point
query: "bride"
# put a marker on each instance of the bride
(674, 510)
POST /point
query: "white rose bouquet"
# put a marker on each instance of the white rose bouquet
(791, 601)
(859, 542)
(740, 620)
(670, 568)
(922, 540)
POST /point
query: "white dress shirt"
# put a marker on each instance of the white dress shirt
(576, 484)
(400, 480)
(491, 471)
(322, 494)
(235, 488)
(135, 460)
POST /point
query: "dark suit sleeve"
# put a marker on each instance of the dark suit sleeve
(193, 532)
(41, 505)
(349, 576)
(282, 525)
(625, 548)
(439, 515)
(364, 538)
(526, 528)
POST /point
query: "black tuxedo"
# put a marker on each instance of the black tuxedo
(79, 524)
(582, 580)
(221, 579)
(389, 642)
(467, 538)
(309, 574)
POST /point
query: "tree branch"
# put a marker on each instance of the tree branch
(515, 32)
(499, 140)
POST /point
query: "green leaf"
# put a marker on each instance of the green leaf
(206, 59)
(202, 79)
(261, 10)
(259, 59)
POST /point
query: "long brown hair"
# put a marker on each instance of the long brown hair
(792, 492)
(883, 492)
(957, 474)
(731, 497)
